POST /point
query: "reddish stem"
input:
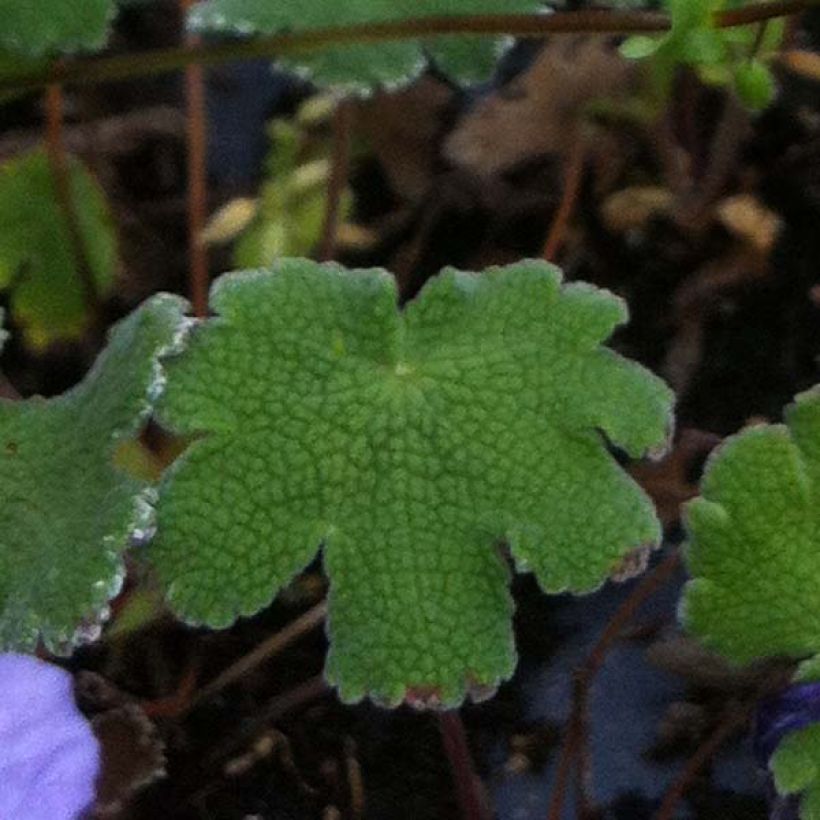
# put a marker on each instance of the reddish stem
(470, 793)
(196, 132)
(573, 177)
(575, 735)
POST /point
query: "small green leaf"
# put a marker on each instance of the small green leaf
(755, 84)
(755, 541)
(37, 260)
(718, 56)
(65, 512)
(364, 64)
(640, 46)
(409, 444)
(292, 199)
(40, 27)
(796, 768)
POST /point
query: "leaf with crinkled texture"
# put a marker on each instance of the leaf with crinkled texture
(362, 65)
(40, 27)
(66, 513)
(37, 260)
(754, 553)
(796, 769)
(410, 445)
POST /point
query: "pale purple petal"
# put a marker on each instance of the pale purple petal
(49, 757)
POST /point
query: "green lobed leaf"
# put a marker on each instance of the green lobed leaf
(65, 512)
(754, 552)
(410, 445)
(40, 27)
(364, 64)
(725, 57)
(796, 768)
(37, 260)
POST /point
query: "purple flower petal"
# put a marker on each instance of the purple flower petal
(49, 757)
(794, 708)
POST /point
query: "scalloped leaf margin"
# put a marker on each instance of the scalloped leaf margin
(410, 445)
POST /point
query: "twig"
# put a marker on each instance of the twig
(355, 781)
(470, 794)
(573, 176)
(732, 129)
(275, 709)
(339, 173)
(575, 734)
(64, 193)
(266, 650)
(735, 717)
(197, 178)
(162, 61)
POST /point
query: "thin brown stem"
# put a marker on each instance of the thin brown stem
(575, 734)
(196, 137)
(339, 174)
(732, 129)
(573, 176)
(471, 796)
(264, 652)
(274, 710)
(61, 176)
(735, 716)
(533, 26)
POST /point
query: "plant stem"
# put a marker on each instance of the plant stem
(339, 174)
(735, 716)
(61, 175)
(265, 651)
(470, 794)
(196, 137)
(573, 176)
(575, 734)
(161, 61)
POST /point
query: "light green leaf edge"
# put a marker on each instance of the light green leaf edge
(359, 67)
(40, 28)
(37, 260)
(240, 513)
(795, 766)
(754, 541)
(66, 514)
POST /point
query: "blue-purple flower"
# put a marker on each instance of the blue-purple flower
(49, 757)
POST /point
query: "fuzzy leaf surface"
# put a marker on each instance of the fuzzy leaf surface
(796, 769)
(37, 260)
(363, 65)
(65, 511)
(755, 541)
(409, 444)
(40, 27)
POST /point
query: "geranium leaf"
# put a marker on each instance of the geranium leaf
(796, 769)
(754, 555)
(364, 64)
(754, 550)
(40, 27)
(37, 261)
(65, 511)
(410, 444)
